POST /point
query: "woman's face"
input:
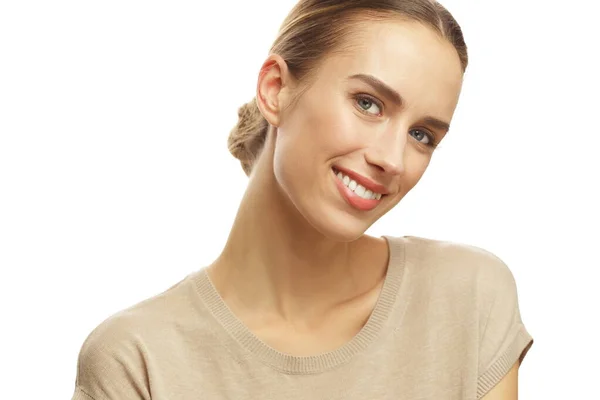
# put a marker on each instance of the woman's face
(361, 136)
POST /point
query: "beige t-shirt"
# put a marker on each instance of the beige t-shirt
(446, 326)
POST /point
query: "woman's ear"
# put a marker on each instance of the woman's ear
(273, 88)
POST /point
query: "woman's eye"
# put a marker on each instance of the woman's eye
(423, 136)
(369, 105)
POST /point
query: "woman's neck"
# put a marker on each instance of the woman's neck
(275, 263)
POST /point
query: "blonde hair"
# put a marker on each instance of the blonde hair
(316, 28)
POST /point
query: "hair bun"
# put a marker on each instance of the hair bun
(247, 137)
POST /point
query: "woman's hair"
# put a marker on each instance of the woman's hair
(315, 29)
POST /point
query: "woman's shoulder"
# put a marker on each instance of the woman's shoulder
(468, 289)
(147, 321)
(454, 256)
(119, 350)
(453, 268)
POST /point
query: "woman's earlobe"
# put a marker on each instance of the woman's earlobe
(268, 109)
(267, 101)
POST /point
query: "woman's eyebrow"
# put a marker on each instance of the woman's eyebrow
(437, 123)
(392, 94)
(380, 86)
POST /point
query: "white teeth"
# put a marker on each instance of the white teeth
(358, 189)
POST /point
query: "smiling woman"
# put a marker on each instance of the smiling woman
(350, 105)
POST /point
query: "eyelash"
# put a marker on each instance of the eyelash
(361, 96)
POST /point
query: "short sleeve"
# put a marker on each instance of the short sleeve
(111, 365)
(503, 338)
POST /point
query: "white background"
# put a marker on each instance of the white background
(116, 181)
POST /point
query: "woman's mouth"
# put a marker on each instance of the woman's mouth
(356, 194)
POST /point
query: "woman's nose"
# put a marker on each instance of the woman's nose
(388, 155)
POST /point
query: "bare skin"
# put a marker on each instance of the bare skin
(293, 268)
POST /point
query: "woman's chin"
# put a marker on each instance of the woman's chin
(333, 219)
(340, 228)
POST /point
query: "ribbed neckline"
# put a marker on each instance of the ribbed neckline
(317, 363)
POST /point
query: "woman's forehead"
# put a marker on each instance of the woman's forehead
(410, 58)
(402, 48)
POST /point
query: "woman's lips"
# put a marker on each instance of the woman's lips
(362, 180)
(354, 199)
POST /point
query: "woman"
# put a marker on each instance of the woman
(301, 304)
